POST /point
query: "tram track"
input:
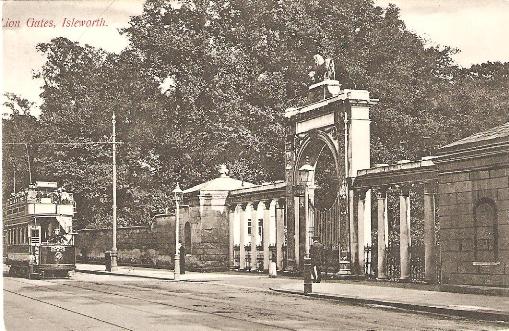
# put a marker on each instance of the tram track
(304, 316)
(68, 310)
(301, 315)
(222, 314)
(224, 306)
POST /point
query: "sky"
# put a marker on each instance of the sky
(477, 27)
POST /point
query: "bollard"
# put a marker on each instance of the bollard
(272, 270)
(308, 284)
(107, 260)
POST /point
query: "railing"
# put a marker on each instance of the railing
(236, 257)
(259, 257)
(392, 262)
(370, 261)
(285, 257)
(248, 257)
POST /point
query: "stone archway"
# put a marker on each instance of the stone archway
(330, 224)
(340, 123)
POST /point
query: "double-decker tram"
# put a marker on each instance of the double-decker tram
(38, 235)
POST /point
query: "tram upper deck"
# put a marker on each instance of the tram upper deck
(40, 199)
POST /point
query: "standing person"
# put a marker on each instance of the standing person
(182, 259)
(316, 255)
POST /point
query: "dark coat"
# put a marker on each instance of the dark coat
(316, 253)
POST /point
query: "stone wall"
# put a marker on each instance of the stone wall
(465, 256)
(154, 245)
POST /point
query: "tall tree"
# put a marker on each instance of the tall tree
(20, 130)
(207, 82)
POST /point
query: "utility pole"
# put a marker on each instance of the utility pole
(114, 247)
(29, 167)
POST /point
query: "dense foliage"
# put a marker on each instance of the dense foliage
(208, 82)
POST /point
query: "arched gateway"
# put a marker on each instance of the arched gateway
(335, 121)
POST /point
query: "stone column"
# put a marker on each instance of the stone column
(280, 232)
(231, 220)
(254, 235)
(266, 235)
(361, 196)
(354, 249)
(429, 232)
(296, 232)
(381, 195)
(404, 233)
(243, 238)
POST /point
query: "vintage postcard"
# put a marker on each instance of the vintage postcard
(255, 164)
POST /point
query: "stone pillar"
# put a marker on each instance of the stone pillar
(231, 220)
(290, 172)
(254, 235)
(381, 195)
(280, 232)
(361, 197)
(243, 236)
(296, 234)
(429, 233)
(367, 219)
(354, 249)
(266, 236)
(404, 233)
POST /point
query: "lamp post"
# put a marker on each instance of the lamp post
(177, 194)
(113, 253)
(304, 173)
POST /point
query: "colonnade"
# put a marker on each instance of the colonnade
(404, 228)
(257, 232)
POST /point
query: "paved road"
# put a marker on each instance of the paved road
(102, 302)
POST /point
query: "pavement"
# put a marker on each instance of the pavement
(152, 273)
(493, 308)
(472, 306)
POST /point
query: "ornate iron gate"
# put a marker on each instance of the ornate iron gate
(332, 228)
